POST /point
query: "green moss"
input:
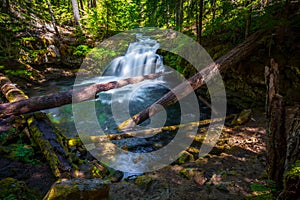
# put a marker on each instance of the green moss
(143, 180)
(262, 191)
(293, 175)
(242, 118)
(46, 148)
(11, 189)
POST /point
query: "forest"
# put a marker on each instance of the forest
(144, 99)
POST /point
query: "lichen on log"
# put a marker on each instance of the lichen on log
(41, 131)
(10, 91)
(50, 144)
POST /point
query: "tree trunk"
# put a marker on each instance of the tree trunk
(213, 9)
(53, 19)
(230, 59)
(276, 142)
(283, 142)
(199, 24)
(63, 98)
(179, 15)
(76, 12)
(10, 91)
(50, 143)
(81, 5)
(41, 131)
(248, 22)
(291, 177)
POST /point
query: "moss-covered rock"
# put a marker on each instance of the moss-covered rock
(292, 182)
(11, 188)
(242, 118)
(185, 157)
(143, 180)
(78, 189)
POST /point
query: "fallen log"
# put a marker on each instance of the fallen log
(146, 132)
(12, 94)
(234, 56)
(50, 143)
(62, 98)
(41, 131)
(10, 91)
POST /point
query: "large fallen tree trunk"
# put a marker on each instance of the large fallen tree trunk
(62, 98)
(220, 65)
(10, 91)
(41, 131)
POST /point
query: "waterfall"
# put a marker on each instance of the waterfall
(140, 59)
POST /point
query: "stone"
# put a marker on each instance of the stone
(242, 118)
(78, 189)
(185, 157)
(11, 188)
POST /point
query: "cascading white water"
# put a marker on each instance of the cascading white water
(140, 59)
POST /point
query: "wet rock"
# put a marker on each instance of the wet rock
(78, 189)
(116, 176)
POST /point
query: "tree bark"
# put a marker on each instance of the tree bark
(152, 131)
(222, 64)
(62, 98)
(200, 19)
(10, 91)
(76, 12)
(248, 22)
(213, 9)
(41, 131)
(276, 142)
(283, 142)
(179, 15)
(51, 144)
(81, 5)
(53, 19)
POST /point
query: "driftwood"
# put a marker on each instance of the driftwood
(62, 98)
(41, 131)
(234, 56)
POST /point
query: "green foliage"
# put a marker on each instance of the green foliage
(21, 152)
(294, 172)
(263, 191)
(18, 72)
(81, 50)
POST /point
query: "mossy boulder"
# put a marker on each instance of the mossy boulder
(184, 157)
(292, 182)
(242, 118)
(78, 189)
(143, 180)
(11, 188)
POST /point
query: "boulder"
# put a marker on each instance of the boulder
(78, 189)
